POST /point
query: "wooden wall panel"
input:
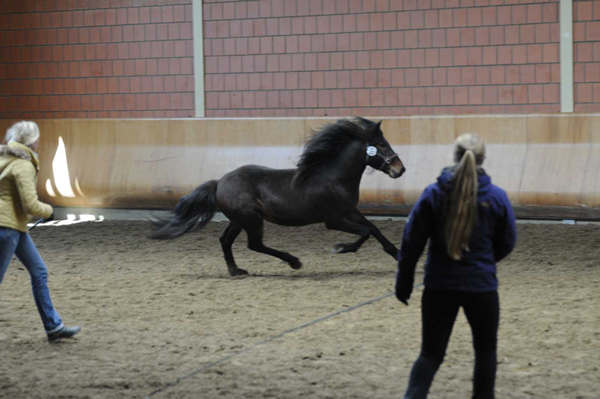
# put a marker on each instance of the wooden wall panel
(548, 164)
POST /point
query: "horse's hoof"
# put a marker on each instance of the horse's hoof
(342, 248)
(238, 272)
(295, 264)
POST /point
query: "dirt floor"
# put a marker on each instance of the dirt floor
(163, 318)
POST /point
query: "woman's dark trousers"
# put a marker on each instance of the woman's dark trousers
(438, 314)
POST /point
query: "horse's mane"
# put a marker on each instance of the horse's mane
(329, 140)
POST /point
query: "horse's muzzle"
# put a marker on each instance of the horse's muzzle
(396, 169)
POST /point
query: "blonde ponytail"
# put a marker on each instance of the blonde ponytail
(461, 213)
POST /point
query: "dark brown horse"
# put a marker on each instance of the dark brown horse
(323, 188)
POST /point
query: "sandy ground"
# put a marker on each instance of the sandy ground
(164, 318)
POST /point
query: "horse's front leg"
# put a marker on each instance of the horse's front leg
(348, 226)
(387, 245)
(356, 223)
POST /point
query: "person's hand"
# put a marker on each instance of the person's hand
(49, 218)
(404, 287)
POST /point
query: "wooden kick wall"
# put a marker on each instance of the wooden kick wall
(549, 164)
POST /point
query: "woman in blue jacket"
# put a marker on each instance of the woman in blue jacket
(471, 226)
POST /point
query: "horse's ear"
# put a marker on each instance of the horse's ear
(379, 124)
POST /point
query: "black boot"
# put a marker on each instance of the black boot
(65, 332)
(421, 377)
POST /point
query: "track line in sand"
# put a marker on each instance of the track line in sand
(265, 341)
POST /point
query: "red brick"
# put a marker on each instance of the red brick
(474, 17)
(489, 55)
(490, 95)
(418, 96)
(350, 98)
(350, 60)
(474, 56)
(593, 31)
(375, 21)
(596, 89)
(390, 59)
(519, 14)
(439, 77)
(583, 93)
(461, 96)
(411, 77)
(513, 74)
(467, 36)
(446, 95)
(418, 57)
(475, 95)
(432, 57)
(520, 95)
(452, 37)
(468, 76)
(445, 18)
(459, 17)
(431, 19)
(511, 34)
(527, 74)
(535, 94)
(592, 72)
(410, 39)
(370, 40)
(582, 10)
(542, 33)
(454, 76)
(438, 38)
(397, 78)
(482, 36)
(527, 33)
(425, 76)
(596, 50)
(504, 15)
(488, 16)
(534, 53)
(497, 75)
(336, 23)
(583, 52)
(497, 35)
(482, 75)
(550, 12)
(424, 38)
(542, 73)
(551, 93)
(417, 19)
(534, 13)
(505, 95)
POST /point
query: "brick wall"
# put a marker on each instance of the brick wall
(133, 58)
(100, 58)
(381, 57)
(586, 55)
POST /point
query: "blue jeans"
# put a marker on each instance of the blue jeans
(14, 242)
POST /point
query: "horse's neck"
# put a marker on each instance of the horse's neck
(348, 167)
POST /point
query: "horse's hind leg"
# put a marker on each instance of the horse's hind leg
(254, 229)
(227, 238)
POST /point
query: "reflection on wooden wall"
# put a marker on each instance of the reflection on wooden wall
(549, 164)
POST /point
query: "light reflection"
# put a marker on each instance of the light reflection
(60, 170)
(72, 218)
(49, 188)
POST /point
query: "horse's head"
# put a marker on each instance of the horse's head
(379, 153)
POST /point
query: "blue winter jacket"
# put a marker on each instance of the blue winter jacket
(493, 238)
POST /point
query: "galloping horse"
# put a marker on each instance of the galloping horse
(323, 188)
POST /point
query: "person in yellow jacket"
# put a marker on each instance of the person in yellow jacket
(18, 203)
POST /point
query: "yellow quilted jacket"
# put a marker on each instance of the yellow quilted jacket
(18, 194)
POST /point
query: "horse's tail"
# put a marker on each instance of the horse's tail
(193, 211)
